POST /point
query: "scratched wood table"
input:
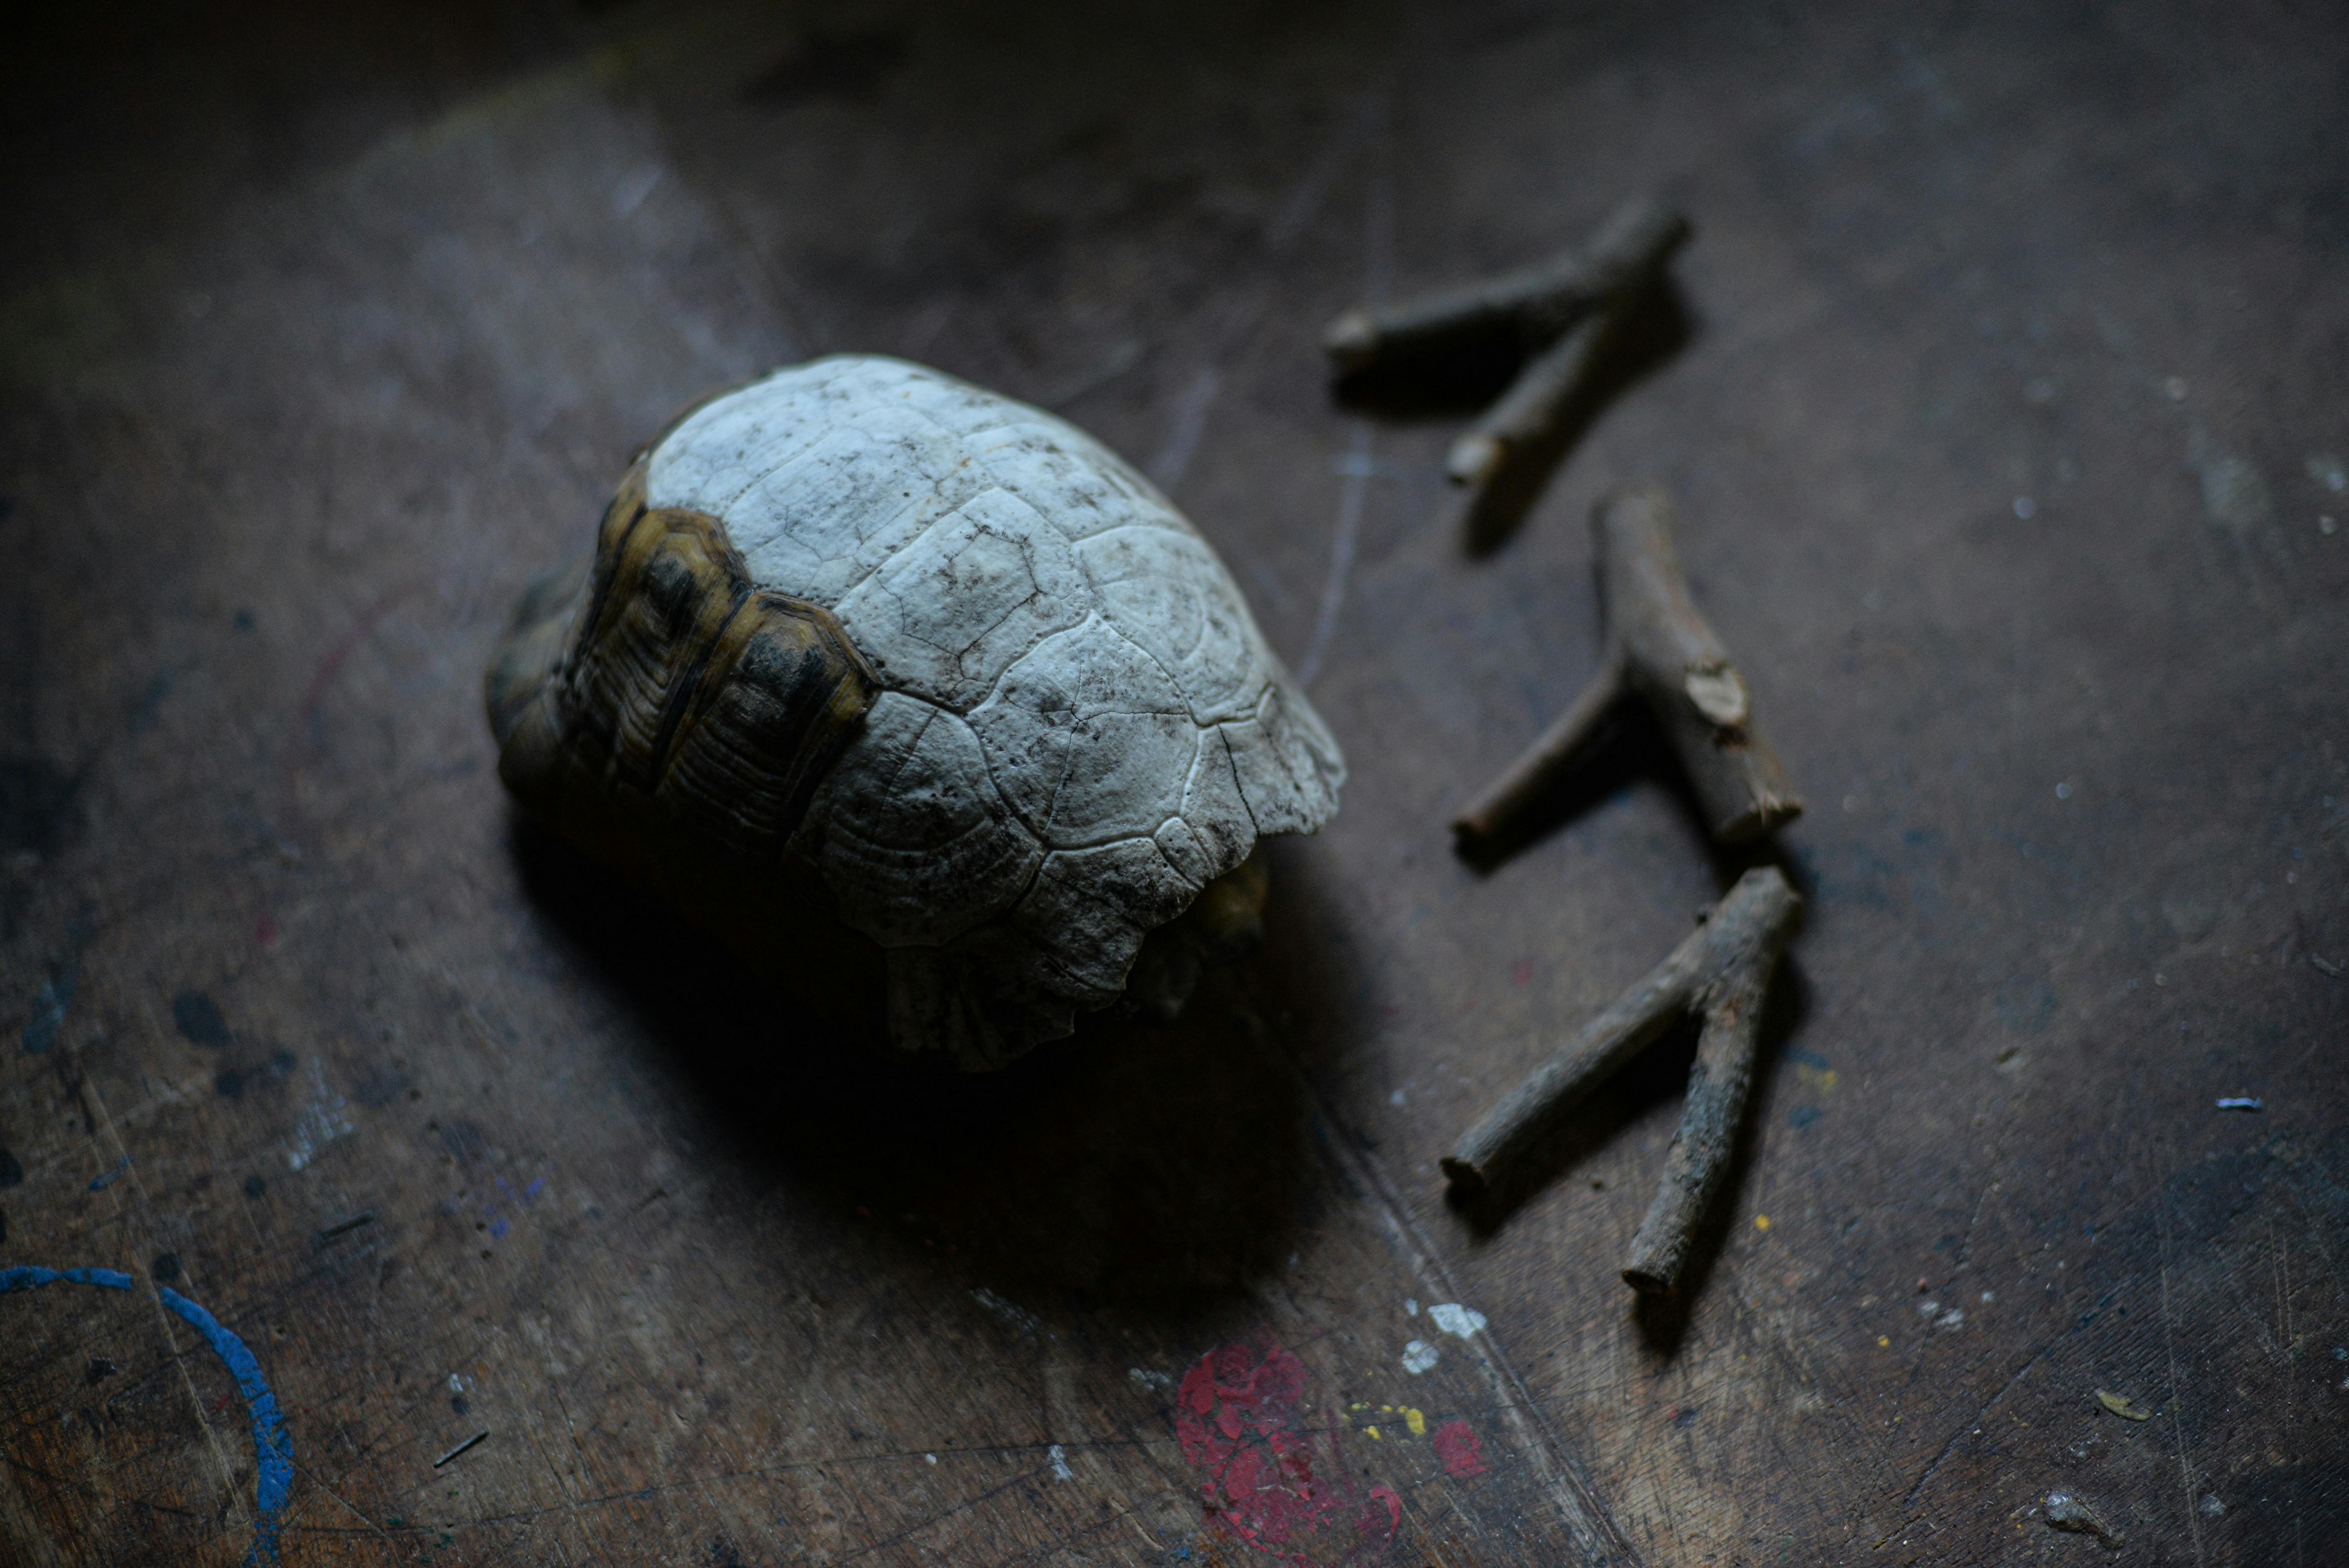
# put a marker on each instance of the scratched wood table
(2005, 395)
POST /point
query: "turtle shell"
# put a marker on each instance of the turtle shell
(943, 653)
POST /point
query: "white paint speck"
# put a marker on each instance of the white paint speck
(1396, 1099)
(2234, 492)
(322, 1121)
(1148, 1381)
(1061, 1470)
(1410, 1306)
(2025, 508)
(2064, 791)
(1928, 1308)
(1026, 1322)
(1456, 1320)
(1990, 1295)
(932, 1457)
(456, 1384)
(1420, 1356)
(1953, 1318)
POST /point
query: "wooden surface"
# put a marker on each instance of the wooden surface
(2009, 381)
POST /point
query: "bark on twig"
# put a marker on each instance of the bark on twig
(1531, 413)
(1713, 1108)
(1659, 648)
(1530, 306)
(1721, 972)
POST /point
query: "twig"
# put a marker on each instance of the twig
(1721, 972)
(1530, 306)
(1661, 649)
(1715, 1106)
(1530, 413)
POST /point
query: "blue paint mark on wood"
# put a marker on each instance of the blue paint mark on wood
(28, 1276)
(199, 1019)
(48, 1015)
(142, 717)
(55, 997)
(272, 1448)
(103, 1182)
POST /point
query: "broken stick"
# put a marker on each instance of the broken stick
(1721, 973)
(1530, 306)
(1659, 648)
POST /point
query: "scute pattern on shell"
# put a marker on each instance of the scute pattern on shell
(1079, 724)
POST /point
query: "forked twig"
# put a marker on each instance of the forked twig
(1722, 972)
(1567, 318)
(1660, 649)
(1529, 306)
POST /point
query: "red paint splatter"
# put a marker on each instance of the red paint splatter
(1521, 973)
(1236, 1415)
(264, 930)
(1456, 1446)
(1239, 1413)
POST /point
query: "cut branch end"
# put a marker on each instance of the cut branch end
(1721, 972)
(1660, 647)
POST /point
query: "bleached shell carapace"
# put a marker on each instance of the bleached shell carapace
(941, 650)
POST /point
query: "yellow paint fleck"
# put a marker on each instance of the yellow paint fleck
(1882, 1341)
(1820, 1079)
(1373, 1430)
(1761, 1222)
(1415, 1422)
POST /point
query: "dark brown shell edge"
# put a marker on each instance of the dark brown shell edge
(663, 715)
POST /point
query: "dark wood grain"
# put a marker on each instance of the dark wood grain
(2009, 400)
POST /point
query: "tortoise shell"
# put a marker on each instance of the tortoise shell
(866, 626)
